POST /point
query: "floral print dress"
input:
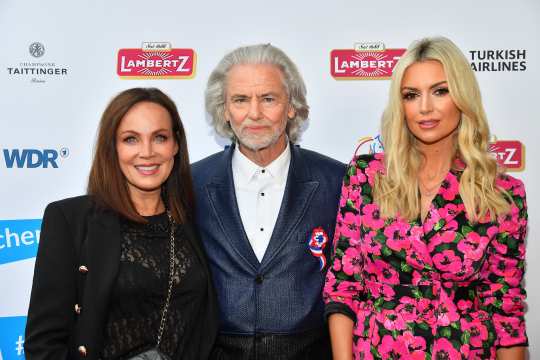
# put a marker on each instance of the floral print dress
(444, 288)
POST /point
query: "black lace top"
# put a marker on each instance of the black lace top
(138, 297)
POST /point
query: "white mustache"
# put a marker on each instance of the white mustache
(248, 122)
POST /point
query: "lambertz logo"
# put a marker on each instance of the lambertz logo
(367, 61)
(510, 154)
(12, 337)
(499, 60)
(156, 60)
(19, 239)
(33, 158)
(39, 72)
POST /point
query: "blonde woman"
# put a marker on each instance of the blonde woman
(429, 243)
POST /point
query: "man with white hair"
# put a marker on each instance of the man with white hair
(266, 210)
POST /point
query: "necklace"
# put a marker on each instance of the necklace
(429, 191)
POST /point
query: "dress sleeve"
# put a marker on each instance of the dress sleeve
(51, 315)
(501, 291)
(344, 277)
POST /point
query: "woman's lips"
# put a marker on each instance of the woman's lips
(147, 169)
(428, 124)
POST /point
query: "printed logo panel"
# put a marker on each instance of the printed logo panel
(19, 239)
(33, 158)
(510, 154)
(12, 337)
(498, 60)
(39, 68)
(155, 62)
(364, 64)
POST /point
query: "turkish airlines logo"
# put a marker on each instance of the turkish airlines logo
(510, 154)
(367, 61)
(155, 61)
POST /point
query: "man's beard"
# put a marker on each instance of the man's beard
(256, 142)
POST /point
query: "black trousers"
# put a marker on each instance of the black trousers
(312, 345)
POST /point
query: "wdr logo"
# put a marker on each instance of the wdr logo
(19, 239)
(33, 158)
(12, 337)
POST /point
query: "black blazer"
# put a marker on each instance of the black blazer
(76, 268)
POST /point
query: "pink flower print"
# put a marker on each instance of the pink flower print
(407, 309)
(443, 349)
(510, 222)
(504, 182)
(506, 267)
(429, 221)
(346, 288)
(352, 261)
(478, 331)
(447, 313)
(465, 350)
(371, 246)
(480, 354)
(349, 226)
(464, 305)
(396, 235)
(379, 289)
(345, 190)
(511, 330)
(371, 217)
(492, 231)
(512, 302)
(387, 292)
(363, 349)
(418, 255)
(388, 350)
(473, 246)
(415, 260)
(413, 346)
(518, 188)
(449, 187)
(384, 271)
(465, 270)
(426, 311)
(450, 210)
(336, 266)
(418, 277)
(330, 282)
(374, 167)
(358, 179)
(447, 261)
(443, 237)
(361, 328)
(391, 320)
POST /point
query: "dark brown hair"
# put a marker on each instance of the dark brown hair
(106, 182)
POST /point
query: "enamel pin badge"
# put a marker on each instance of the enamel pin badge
(317, 243)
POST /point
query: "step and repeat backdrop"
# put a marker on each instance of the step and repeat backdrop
(62, 61)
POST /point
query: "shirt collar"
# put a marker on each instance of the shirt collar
(246, 170)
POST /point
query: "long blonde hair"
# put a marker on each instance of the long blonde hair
(397, 191)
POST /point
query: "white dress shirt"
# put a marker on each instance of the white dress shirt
(259, 192)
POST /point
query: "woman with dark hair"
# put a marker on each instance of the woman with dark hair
(120, 272)
(430, 236)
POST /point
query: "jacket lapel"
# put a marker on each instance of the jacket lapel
(446, 205)
(296, 199)
(103, 256)
(222, 197)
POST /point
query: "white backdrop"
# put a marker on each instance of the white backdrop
(81, 39)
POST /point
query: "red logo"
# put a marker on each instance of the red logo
(510, 154)
(156, 61)
(369, 61)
